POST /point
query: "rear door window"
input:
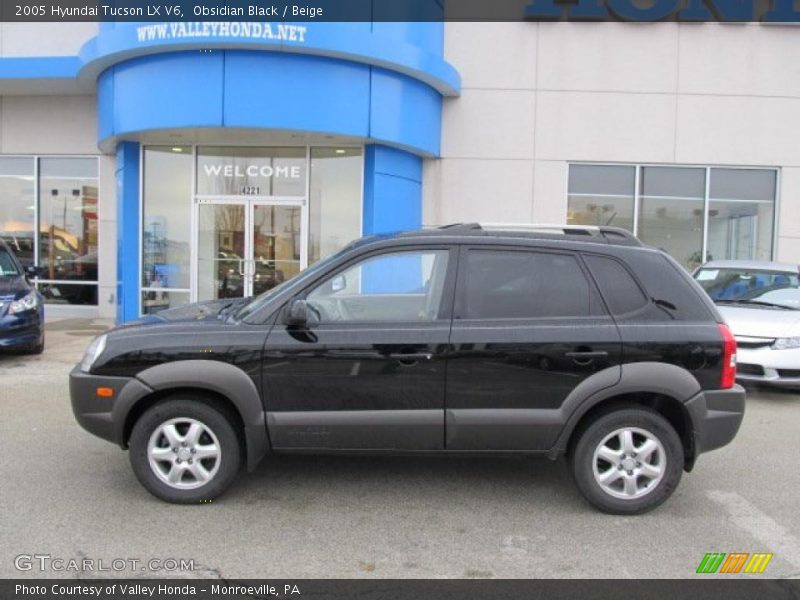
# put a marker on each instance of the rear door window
(520, 284)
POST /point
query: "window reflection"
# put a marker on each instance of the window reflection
(68, 235)
(741, 214)
(167, 217)
(601, 195)
(18, 207)
(671, 212)
(335, 203)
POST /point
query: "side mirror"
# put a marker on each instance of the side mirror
(338, 283)
(297, 315)
(31, 271)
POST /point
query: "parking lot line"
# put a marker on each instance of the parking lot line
(759, 525)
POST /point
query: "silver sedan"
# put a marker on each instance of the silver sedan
(761, 303)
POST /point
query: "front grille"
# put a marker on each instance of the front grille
(746, 369)
(793, 373)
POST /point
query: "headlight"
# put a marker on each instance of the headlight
(28, 302)
(786, 343)
(94, 350)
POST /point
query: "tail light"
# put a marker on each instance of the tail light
(728, 357)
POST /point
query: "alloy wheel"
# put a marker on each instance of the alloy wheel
(184, 453)
(629, 463)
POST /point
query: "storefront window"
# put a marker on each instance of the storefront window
(677, 205)
(68, 234)
(671, 212)
(18, 206)
(166, 235)
(741, 213)
(226, 171)
(260, 215)
(335, 202)
(601, 195)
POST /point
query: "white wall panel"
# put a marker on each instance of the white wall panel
(485, 190)
(489, 124)
(44, 39)
(507, 56)
(48, 125)
(628, 57)
(605, 126)
(739, 59)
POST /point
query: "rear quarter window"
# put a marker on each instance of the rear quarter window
(618, 287)
(670, 287)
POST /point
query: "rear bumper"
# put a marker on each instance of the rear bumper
(716, 417)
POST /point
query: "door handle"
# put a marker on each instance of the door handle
(588, 354)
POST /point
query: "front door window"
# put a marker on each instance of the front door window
(401, 286)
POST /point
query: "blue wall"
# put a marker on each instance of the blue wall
(128, 231)
(268, 90)
(392, 190)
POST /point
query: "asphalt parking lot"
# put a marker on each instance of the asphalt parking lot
(67, 494)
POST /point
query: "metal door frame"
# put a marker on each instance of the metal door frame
(247, 263)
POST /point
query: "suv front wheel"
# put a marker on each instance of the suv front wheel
(628, 461)
(184, 450)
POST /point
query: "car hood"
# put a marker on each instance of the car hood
(191, 313)
(761, 322)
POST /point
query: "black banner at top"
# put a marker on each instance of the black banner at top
(772, 11)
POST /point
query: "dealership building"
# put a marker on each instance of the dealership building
(148, 165)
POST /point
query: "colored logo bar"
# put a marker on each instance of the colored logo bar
(734, 562)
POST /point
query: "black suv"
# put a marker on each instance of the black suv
(554, 341)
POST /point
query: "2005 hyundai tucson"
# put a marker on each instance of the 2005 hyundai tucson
(555, 341)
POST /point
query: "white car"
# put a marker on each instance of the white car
(761, 303)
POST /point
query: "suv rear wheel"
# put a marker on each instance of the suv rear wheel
(628, 461)
(184, 451)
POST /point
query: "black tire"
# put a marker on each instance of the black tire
(217, 423)
(638, 419)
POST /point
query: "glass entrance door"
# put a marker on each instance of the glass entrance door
(246, 247)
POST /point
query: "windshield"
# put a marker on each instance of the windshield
(259, 301)
(8, 267)
(751, 286)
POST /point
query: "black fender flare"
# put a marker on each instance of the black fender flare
(648, 377)
(222, 378)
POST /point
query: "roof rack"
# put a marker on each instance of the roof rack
(611, 235)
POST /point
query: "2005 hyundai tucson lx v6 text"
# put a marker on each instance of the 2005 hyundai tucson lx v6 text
(555, 341)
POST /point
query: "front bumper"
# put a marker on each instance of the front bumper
(22, 330)
(93, 412)
(768, 366)
(716, 416)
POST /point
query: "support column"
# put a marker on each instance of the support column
(392, 190)
(128, 231)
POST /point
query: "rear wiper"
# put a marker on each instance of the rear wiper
(757, 303)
